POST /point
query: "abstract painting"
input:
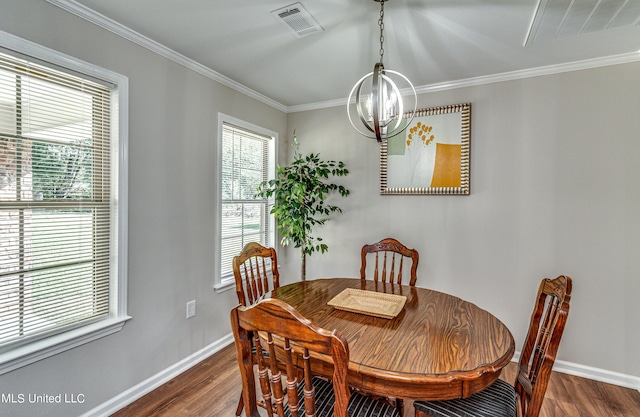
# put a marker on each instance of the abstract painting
(431, 156)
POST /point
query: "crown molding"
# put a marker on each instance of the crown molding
(494, 78)
(94, 17)
(104, 22)
(318, 105)
(532, 72)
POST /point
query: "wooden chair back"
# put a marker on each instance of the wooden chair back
(541, 345)
(388, 253)
(253, 269)
(272, 320)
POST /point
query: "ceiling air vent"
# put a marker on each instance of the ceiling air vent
(297, 19)
(558, 19)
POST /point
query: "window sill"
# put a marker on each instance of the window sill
(33, 352)
(225, 285)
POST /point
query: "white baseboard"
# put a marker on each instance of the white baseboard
(127, 397)
(596, 374)
(109, 407)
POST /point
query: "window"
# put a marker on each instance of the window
(59, 212)
(247, 157)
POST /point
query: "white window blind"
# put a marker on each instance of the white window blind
(55, 201)
(247, 160)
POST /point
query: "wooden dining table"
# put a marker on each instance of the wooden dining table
(438, 347)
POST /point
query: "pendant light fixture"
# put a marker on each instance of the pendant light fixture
(378, 100)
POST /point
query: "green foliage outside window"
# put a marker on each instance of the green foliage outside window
(61, 171)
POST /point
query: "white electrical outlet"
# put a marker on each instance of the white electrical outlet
(191, 308)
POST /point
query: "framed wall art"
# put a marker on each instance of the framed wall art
(431, 156)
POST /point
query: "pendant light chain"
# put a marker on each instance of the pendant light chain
(379, 107)
(381, 25)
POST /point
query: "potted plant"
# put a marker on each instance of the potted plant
(300, 191)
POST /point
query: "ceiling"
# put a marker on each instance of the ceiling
(432, 42)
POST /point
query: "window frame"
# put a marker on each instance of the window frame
(28, 353)
(227, 282)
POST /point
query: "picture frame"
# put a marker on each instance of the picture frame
(431, 156)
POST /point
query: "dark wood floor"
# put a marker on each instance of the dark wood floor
(212, 388)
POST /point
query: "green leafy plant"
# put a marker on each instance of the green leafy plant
(62, 171)
(300, 191)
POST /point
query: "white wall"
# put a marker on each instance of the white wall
(172, 177)
(555, 189)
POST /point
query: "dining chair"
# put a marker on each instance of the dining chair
(274, 322)
(387, 252)
(524, 398)
(254, 269)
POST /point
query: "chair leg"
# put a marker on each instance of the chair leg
(240, 406)
(400, 406)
